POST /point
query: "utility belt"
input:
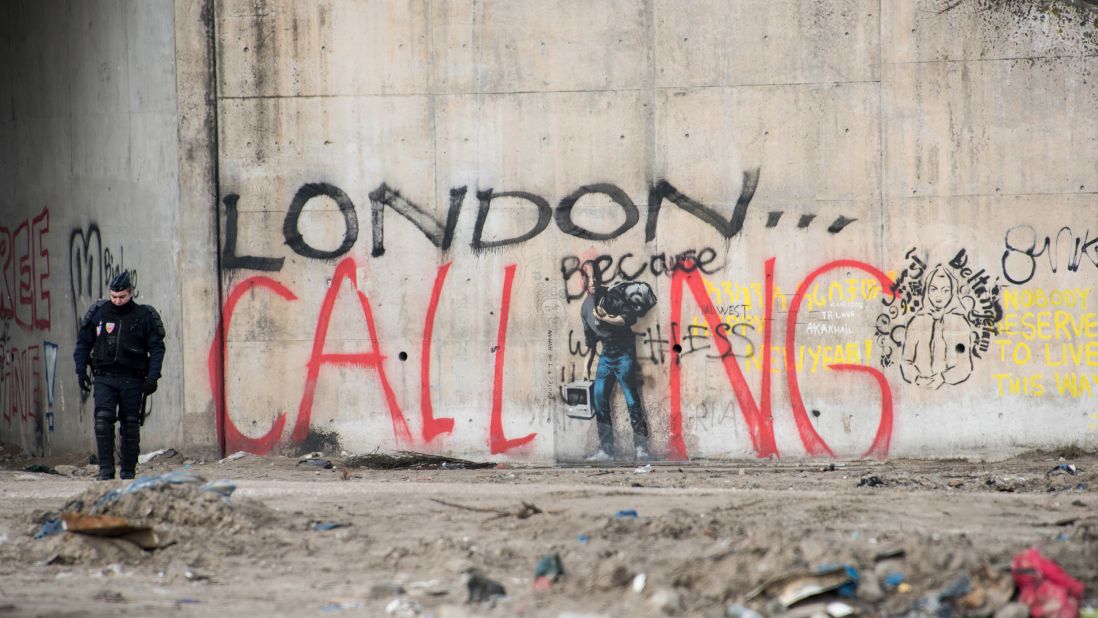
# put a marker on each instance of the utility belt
(119, 372)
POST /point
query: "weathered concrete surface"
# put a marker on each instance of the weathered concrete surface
(841, 146)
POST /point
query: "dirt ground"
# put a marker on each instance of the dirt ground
(706, 536)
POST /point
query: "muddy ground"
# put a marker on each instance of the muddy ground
(706, 536)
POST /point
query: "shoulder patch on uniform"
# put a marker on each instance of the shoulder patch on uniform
(87, 319)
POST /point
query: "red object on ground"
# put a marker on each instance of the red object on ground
(1045, 587)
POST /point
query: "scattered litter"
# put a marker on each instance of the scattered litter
(792, 588)
(548, 570)
(322, 526)
(626, 514)
(871, 481)
(583, 539)
(1044, 586)
(235, 456)
(893, 579)
(163, 453)
(319, 463)
(739, 611)
(225, 487)
(110, 526)
(51, 527)
(526, 510)
(645, 469)
(838, 609)
(187, 602)
(342, 605)
(403, 608)
(176, 477)
(639, 582)
(41, 469)
(413, 460)
(1063, 469)
(483, 590)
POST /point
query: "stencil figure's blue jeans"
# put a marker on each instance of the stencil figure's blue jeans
(619, 365)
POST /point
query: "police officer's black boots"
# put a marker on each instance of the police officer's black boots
(104, 443)
(130, 446)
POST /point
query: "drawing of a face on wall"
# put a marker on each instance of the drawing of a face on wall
(939, 321)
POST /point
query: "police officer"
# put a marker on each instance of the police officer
(125, 343)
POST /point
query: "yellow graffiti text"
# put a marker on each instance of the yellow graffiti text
(1049, 325)
(1020, 385)
(1024, 299)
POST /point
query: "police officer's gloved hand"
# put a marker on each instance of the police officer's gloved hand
(149, 387)
(85, 381)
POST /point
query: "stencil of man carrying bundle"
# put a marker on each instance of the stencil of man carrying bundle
(608, 315)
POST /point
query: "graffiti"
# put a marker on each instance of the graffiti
(757, 412)
(20, 374)
(940, 319)
(605, 269)
(1023, 248)
(231, 438)
(440, 232)
(774, 216)
(24, 271)
(1061, 335)
(229, 259)
(608, 316)
(91, 267)
(51, 381)
(292, 234)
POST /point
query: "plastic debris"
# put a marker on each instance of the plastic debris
(626, 514)
(1063, 468)
(583, 539)
(792, 588)
(322, 526)
(547, 571)
(162, 453)
(342, 605)
(639, 582)
(838, 609)
(225, 487)
(739, 611)
(403, 608)
(483, 590)
(41, 469)
(893, 579)
(51, 527)
(177, 477)
(319, 463)
(645, 469)
(235, 456)
(1044, 586)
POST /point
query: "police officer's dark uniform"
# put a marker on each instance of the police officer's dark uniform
(125, 344)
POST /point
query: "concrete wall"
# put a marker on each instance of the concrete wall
(382, 206)
(88, 187)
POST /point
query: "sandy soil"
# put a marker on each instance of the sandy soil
(706, 535)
